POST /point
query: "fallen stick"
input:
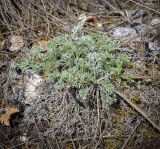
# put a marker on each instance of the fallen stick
(146, 77)
(138, 110)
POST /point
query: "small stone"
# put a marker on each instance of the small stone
(154, 46)
(24, 138)
(17, 43)
(32, 81)
(123, 32)
(155, 22)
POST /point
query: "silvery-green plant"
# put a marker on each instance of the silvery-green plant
(79, 61)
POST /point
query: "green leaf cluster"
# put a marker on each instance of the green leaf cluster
(81, 62)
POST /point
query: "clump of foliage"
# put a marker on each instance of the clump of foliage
(79, 61)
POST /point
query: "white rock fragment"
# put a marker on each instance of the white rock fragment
(31, 84)
(154, 46)
(17, 42)
(123, 32)
(155, 22)
(82, 17)
(23, 138)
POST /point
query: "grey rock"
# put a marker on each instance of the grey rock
(154, 46)
(123, 32)
(155, 22)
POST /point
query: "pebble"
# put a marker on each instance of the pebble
(155, 22)
(32, 81)
(17, 43)
(154, 46)
(123, 32)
